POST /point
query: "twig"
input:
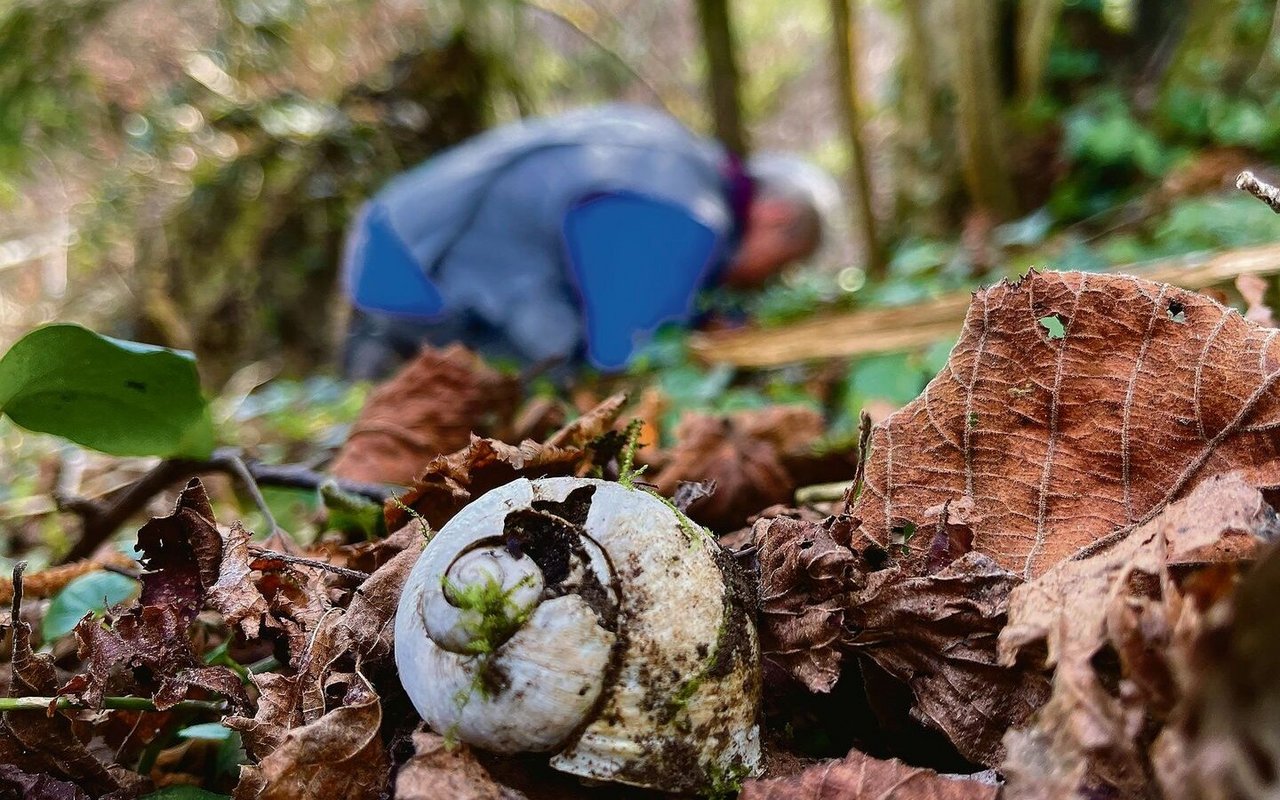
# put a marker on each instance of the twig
(100, 520)
(118, 703)
(353, 574)
(234, 464)
(1260, 189)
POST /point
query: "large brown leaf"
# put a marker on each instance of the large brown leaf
(858, 775)
(1059, 440)
(1108, 625)
(431, 406)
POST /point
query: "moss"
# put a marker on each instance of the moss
(497, 616)
(627, 473)
(726, 783)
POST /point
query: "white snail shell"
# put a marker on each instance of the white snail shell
(590, 620)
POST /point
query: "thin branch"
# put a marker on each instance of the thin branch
(353, 574)
(1260, 189)
(234, 464)
(100, 520)
(119, 703)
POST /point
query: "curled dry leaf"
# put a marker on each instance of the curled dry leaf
(937, 633)
(1109, 625)
(1222, 743)
(46, 744)
(431, 406)
(858, 775)
(804, 592)
(756, 459)
(437, 770)
(450, 482)
(145, 648)
(1075, 404)
(339, 755)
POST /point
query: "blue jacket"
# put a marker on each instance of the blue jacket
(569, 235)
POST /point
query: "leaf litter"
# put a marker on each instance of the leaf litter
(1050, 553)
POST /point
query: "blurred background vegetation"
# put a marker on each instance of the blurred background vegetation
(182, 171)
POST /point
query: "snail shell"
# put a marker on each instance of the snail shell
(589, 620)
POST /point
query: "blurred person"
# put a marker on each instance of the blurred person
(567, 240)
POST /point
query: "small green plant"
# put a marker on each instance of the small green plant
(627, 472)
(494, 615)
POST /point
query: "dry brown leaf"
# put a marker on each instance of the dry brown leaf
(937, 634)
(339, 755)
(438, 771)
(145, 648)
(235, 594)
(1060, 441)
(431, 406)
(1224, 740)
(756, 458)
(858, 775)
(804, 591)
(46, 743)
(1106, 623)
(450, 482)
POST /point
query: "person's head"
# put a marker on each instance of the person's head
(784, 222)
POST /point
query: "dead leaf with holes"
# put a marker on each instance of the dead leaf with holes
(1060, 440)
(1072, 406)
(858, 775)
(430, 407)
(1109, 626)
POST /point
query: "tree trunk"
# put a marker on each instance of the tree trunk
(844, 38)
(1036, 22)
(983, 146)
(723, 80)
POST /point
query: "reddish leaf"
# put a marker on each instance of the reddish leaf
(1057, 442)
(860, 776)
(437, 771)
(181, 553)
(431, 406)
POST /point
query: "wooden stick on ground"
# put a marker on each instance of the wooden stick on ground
(886, 330)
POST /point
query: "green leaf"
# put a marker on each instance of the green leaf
(94, 592)
(122, 398)
(184, 793)
(213, 731)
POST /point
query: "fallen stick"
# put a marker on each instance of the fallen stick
(887, 330)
